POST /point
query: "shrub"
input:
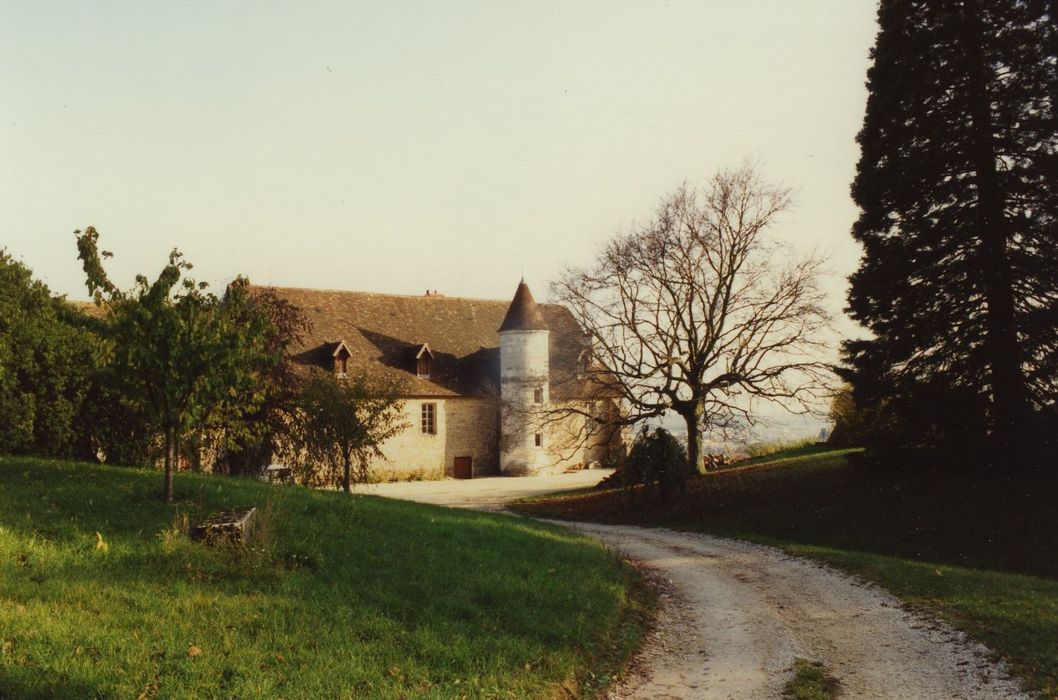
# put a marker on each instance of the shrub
(658, 461)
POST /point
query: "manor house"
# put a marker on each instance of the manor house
(492, 387)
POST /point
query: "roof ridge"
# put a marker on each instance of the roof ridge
(386, 294)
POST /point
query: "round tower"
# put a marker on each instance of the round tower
(524, 386)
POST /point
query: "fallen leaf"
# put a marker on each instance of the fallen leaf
(193, 651)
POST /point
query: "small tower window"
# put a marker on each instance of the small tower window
(539, 439)
(538, 395)
(429, 419)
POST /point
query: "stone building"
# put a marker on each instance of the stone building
(492, 387)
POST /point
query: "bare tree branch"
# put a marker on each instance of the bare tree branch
(700, 312)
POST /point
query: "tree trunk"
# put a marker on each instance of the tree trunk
(694, 441)
(170, 449)
(345, 472)
(1001, 341)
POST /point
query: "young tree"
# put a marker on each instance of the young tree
(700, 312)
(183, 357)
(958, 189)
(343, 422)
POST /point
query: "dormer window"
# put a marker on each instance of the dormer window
(423, 360)
(341, 357)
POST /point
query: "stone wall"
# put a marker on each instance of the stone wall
(465, 427)
(469, 427)
(573, 440)
(473, 430)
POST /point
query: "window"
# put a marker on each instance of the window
(538, 395)
(429, 419)
(539, 440)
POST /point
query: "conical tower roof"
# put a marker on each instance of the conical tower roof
(523, 313)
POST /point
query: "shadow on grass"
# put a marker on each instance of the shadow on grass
(1004, 524)
(15, 686)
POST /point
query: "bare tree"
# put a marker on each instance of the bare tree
(700, 312)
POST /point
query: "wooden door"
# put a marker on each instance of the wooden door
(464, 468)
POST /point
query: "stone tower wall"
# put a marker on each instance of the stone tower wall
(524, 368)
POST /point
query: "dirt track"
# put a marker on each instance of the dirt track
(734, 616)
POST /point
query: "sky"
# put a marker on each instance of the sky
(404, 146)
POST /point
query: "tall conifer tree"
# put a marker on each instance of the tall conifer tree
(958, 190)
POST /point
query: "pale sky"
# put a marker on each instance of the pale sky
(401, 146)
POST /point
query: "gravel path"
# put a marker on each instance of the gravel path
(484, 493)
(734, 616)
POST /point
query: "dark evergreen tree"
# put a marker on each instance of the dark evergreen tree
(958, 190)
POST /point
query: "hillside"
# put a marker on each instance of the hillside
(103, 594)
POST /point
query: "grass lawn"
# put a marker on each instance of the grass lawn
(337, 596)
(980, 552)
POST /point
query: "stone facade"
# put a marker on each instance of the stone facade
(462, 427)
(487, 381)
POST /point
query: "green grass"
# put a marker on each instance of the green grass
(782, 453)
(976, 551)
(336, 596)
(810, 682)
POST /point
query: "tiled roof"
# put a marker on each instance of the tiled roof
(89, 308)
(383, 333)
(523, 313)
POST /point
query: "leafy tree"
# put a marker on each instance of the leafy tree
(48, 358)
(275, 415)
(700, 311)
(853, 425)
(342, 423)
(121, 431)
(958, 190)
(181, 357)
